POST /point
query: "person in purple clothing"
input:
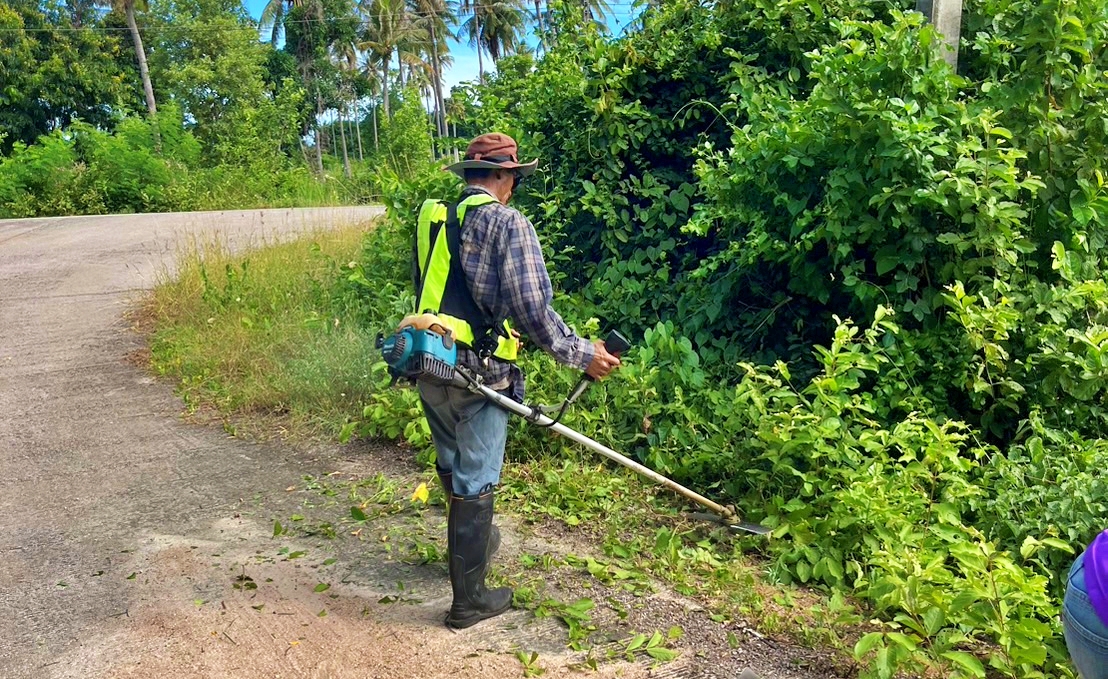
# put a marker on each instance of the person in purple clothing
(1085, 610)
(478, 266)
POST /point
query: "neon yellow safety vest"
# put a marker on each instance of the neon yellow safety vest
(442, 287)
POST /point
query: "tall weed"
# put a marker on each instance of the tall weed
(261, 332)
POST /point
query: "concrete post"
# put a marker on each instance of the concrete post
(946, 15)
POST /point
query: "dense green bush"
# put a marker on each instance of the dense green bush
(751, 170)
(912, 514)
(735, 183)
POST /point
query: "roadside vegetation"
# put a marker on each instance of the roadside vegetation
(215, 118)
(868, 293)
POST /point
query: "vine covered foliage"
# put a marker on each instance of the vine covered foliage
(868, 291)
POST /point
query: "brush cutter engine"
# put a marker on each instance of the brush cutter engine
(415, 353)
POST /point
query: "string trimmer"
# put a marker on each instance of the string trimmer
(423, 350)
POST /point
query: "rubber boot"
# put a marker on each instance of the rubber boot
(447, 481)
(468, 530)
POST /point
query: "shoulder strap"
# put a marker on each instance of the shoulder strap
(482, 325)
(453, 232)
(435, 227)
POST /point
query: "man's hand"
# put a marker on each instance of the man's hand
(602, 361)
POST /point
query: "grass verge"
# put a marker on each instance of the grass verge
(259, 335)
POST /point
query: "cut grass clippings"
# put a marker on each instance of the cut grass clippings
(265, 340)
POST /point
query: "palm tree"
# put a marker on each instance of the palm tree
(127, 7)
(538, 20)
(472, 28)
(455, 111)
(496, 26)
(388, 29)
(373, 77)
(595, 10)
(435, 17)
(410, 52)
(345, 55)
(302, 42)
(273, 18)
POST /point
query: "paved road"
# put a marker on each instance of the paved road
(93, 459)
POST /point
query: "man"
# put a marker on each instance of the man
(478, 264)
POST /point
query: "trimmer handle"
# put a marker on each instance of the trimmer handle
(616, 343)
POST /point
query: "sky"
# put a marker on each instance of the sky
(465, 57)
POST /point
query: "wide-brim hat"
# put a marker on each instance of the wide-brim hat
(493, 151)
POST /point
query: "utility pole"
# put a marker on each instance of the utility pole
(946, 15)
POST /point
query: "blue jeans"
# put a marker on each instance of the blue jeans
(1086, 633)
(469, 435)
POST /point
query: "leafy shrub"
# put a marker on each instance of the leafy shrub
(36, 180)
(83, 170)
(730, 182)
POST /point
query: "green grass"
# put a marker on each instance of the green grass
(258, 334)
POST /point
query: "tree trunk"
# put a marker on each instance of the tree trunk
(304, 152)
(345, 156)
(140, 54)
(946, 15)
(385, 87)
(436, 85)
(346, 127)
(538, 17)
(318, 134)
(432, 120)
(400, 68)
(553, 26)
(480, 60)
(376, 144)
(358, 128)
(278, 24)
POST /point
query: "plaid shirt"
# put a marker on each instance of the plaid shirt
(507, 277)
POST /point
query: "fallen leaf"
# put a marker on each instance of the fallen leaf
(421, 494)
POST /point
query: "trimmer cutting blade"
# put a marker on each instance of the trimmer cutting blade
(730, 523)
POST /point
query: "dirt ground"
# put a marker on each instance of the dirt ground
(136, 544)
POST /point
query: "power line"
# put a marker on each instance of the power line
(365, 22)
